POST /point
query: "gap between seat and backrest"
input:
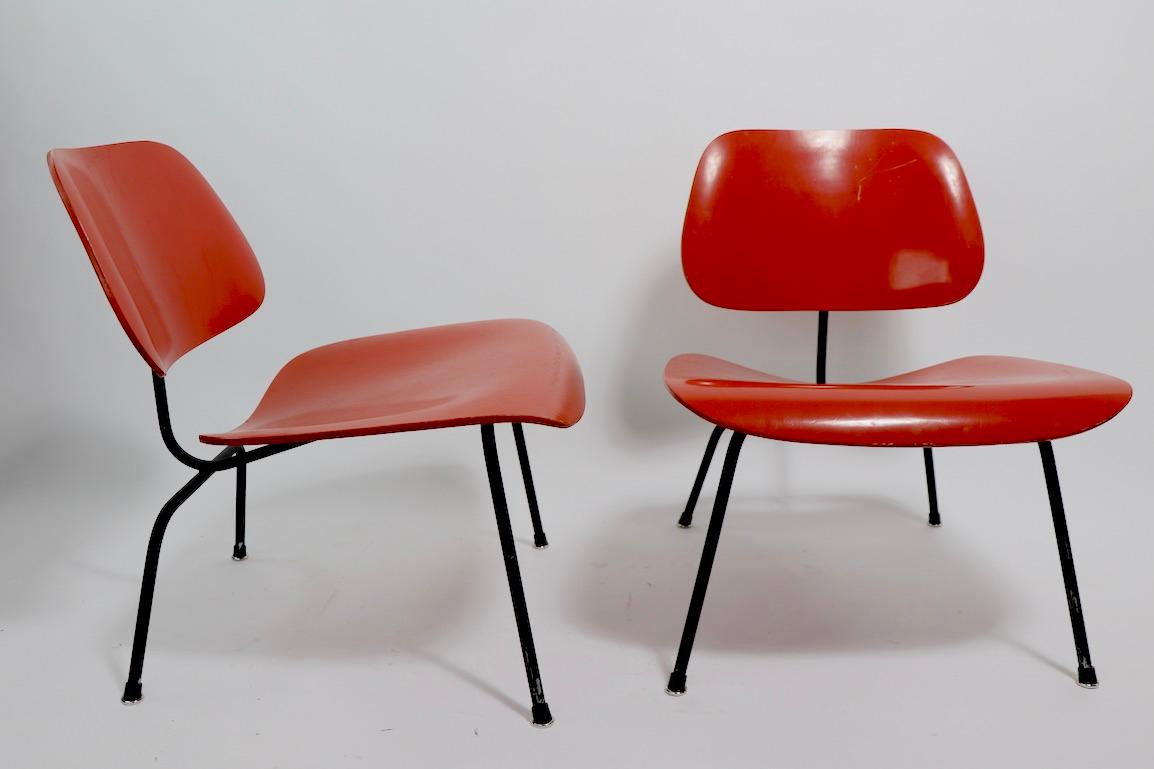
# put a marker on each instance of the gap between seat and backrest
(876, 219)
(173, 263)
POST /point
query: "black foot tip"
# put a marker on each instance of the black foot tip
(133, 692)
(1087, 678)
(541, 716)
(541, 544)
(239, 552)
(935, 523)
(676, 685)
(684, 522)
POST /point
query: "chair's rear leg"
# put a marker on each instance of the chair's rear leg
(132, 689)
(686, 519)
(239, 550)
(932, 487)
(540, 708)
(1086, 674)
(677, 677)
(539, 540)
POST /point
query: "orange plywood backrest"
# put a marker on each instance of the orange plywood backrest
(830, 220)
(173, 263)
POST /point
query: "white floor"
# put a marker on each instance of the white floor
(372, 624)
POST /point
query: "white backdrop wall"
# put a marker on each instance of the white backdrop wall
(412, 163)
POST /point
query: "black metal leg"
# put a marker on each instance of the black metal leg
(541, 714)
(539, 540)
(239, 551)
(132, 689)
(677, 677)
(822, 335)
(932, 487)
(686, 519)
(1086, 674)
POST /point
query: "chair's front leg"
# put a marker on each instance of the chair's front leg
(239, 550)
(540, 708)
(932, 487)
(1086, 674)
(132, 689)
(686, 519)
(539, 540)
(677, 677)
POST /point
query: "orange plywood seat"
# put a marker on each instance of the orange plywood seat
(975, 401)
(445, 376)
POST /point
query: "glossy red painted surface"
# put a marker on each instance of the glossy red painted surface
(178, 271)
(464, 374)
(830, 220)
(843, 220)
(966, 402)
(174, 265)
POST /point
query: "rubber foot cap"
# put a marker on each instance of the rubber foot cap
(133, 692)
(676, 686)
(541, 715)
(239, 552)
(685, 521)
(540, 543)
(1087, 677)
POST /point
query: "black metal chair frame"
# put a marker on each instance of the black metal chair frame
(1087, 676)
(238, 458)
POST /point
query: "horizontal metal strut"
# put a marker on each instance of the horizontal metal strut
(196, 463)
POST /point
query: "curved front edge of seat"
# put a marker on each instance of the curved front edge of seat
(484, 372)
(976, 401)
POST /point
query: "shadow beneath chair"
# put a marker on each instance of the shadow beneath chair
(803, 575)
(1050, 662)
(355, 565)
(473, 680)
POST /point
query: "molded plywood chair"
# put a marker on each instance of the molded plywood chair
(178, 271)
(859, 220)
